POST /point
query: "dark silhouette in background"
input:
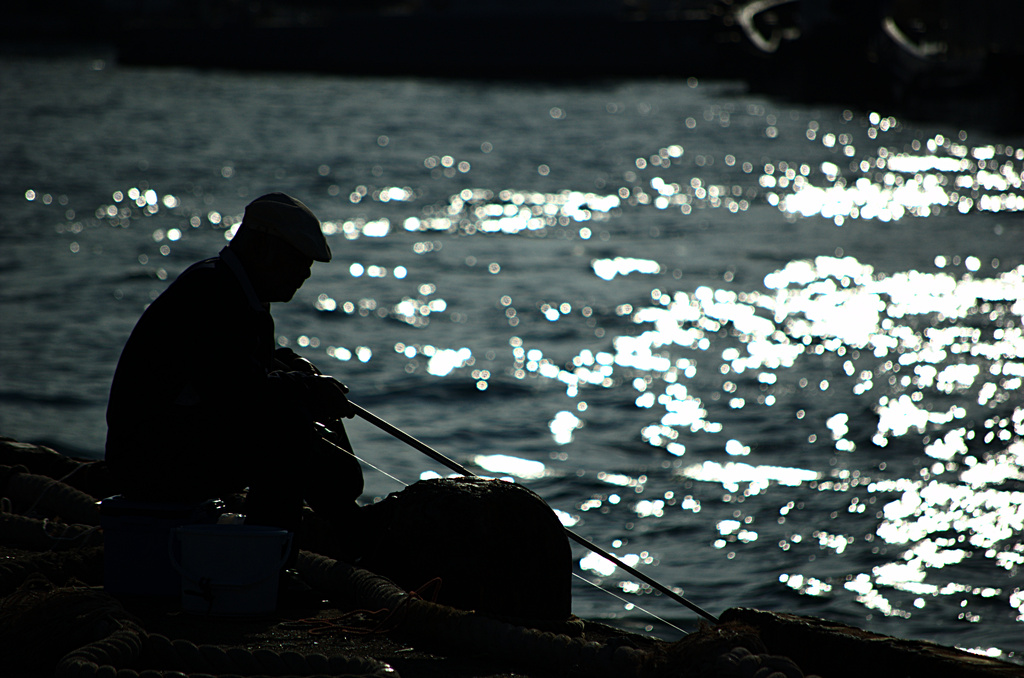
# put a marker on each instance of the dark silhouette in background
(935, 60)
(203, 404)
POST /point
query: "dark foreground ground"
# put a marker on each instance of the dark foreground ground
(339, 620)
(35, 640)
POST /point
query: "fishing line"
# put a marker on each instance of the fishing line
(628, 603)
(379, 470)
(454, 465)
(583, 579)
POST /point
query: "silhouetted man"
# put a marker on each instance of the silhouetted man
(203, 403)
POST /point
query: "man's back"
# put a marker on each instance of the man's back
(199, 355)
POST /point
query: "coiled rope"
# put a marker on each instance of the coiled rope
(131, 645)
(93, 636)
(459, 629)
(39, 493)
(99, 639)
(46, 534)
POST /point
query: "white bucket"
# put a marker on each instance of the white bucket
(229, 570)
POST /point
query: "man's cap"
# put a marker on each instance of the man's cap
(287, 218)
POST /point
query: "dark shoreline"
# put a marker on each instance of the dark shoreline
(853, 55)
(54, 612)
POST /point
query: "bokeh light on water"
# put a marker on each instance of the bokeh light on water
(733, 355)
(934, 359)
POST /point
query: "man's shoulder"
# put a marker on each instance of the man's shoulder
(206, 274)
(204, 283)
(206, 267)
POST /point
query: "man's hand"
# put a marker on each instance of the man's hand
(325, 397)
(332, 394)
(291, 361)
(322, 395)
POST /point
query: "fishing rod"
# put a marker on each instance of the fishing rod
(585, 543)
(586, 581)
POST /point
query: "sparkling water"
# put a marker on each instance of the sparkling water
(768, 353)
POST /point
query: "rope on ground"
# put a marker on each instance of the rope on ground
(82, 632)
(120, 648)
(128, 649)
(40, 623)
(446, 626)
(363, 621)
(46, 535)
(85, 565)
(40, 459)
(742, 663)
(101, 640)
(31, 492)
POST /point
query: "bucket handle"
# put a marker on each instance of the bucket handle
(172, 542)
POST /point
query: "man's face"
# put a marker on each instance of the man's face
(288, 270)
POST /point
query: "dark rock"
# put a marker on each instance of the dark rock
(494, 547)
(835, 650)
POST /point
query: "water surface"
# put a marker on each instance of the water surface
(768, 353)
